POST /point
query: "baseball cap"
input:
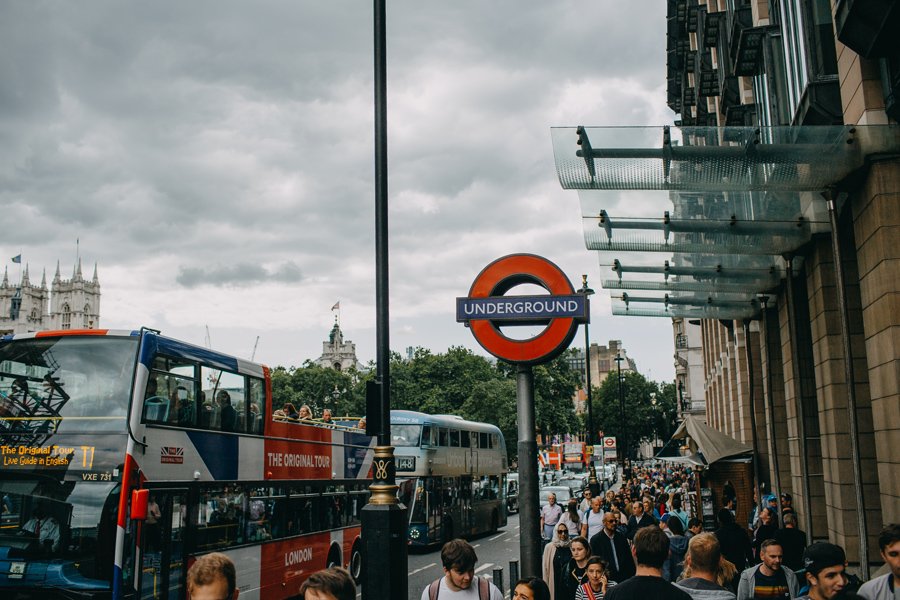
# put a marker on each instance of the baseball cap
(665, 518)
(769, 498)
(822, 555)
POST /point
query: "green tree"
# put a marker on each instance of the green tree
(282, 389)
(641, 422)
(324, 387)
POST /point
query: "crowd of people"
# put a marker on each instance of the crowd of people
(641, 542)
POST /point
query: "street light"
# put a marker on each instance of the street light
(593, 484)
(655, 418)
(619, 360)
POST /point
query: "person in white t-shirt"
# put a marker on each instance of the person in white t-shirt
(458, 558)
(592, 522)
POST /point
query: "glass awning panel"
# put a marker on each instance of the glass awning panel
(715, 158)
(638, 306)
(727, 276)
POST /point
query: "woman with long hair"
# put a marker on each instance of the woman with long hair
(575, 572)
(598, 583)
(556, 557)
(571, 518)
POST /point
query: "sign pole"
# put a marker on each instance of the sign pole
(529, 511)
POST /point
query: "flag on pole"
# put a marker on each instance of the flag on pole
(337, 305)
(17, 259)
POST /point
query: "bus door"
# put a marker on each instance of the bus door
(435, 494)
(163, 551)
(466, 511)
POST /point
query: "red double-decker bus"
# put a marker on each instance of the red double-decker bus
(98, 426)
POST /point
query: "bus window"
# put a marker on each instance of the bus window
(222, 408)
(221, 523)
(171, 392)
(495, 440)
(465, 439)
(444, 437)
(278, 512)
(405, 435)
(255, 419)
(428, 434)
(454, 438)
(483, 440)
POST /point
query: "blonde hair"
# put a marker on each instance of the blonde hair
(705, 554)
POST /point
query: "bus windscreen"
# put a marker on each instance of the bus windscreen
(64, 384)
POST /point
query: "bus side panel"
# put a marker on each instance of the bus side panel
(286, 564)
(253, 468)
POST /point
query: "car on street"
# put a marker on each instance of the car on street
(575, 484)
(563, 493)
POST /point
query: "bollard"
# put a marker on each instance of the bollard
(513, 573)
(498, 578)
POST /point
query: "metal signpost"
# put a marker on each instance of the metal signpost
(484, 310)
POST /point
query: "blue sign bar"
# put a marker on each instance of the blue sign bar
(521, 308)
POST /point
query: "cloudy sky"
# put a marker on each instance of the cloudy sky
(215, 159)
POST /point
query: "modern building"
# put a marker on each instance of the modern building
(782, 232)
(602, 361)
(337, 353)
(68, 303)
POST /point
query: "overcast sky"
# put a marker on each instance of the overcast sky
(215, 159)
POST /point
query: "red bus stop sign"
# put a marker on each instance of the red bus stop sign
(486, 308)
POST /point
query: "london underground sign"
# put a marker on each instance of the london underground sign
(487, 307)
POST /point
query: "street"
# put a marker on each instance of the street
(493, 551)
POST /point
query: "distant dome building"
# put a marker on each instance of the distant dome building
(338, 354)
(67, 304)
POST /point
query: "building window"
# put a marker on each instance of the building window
(87, 316)
(66, 317)
(34, 314)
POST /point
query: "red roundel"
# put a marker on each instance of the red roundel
(498, 278)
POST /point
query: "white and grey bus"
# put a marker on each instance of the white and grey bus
(452, 475)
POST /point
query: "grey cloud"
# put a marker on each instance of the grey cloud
(237, 275)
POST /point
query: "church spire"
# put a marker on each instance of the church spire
(96, 279)
(25, 277)
(56, 277)
(44, 280)
(78, 270)
(5, 278)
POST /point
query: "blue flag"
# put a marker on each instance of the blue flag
(17, 259)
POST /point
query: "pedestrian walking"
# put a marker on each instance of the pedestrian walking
(571, 518)
(551, 513)
(212, 577)
(585, 504)
(459, 581)
(733, 540)
(333, 583)
(575, 572)
(593, 520)
(825, 571)
(886, 587)
(556, 556)
(597, 584)
(766, 531)
(639, 519)
(678, 545)
(793, 542)
(770, 579)
(612, 546)
(651, 548)
(704, 570)
(531, 588)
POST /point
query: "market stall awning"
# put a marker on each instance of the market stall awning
(709, 444)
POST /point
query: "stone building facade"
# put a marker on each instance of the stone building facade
(778, 382)
(67, 304)
(602, 361)
(337, 353)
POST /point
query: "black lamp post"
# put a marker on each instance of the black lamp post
(593, 484)
(624, 440)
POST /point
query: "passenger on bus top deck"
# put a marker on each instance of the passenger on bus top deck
(305, 413)
(361, 424)
(229, 414)
(326, 416)
(185, 406)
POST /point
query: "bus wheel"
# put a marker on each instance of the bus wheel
(334, 558)
(355, 563)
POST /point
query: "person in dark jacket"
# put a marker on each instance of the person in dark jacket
(733, 540)
(793, 542)
(678, 545)
(766, 531)
(639, 519)
(612, 546)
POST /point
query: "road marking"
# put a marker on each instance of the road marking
(420, 569)
(483, 567)
(497, 537)
(476, 545)
(517, 526)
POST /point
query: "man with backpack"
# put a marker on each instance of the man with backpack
(459, 581)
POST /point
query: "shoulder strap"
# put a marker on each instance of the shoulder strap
(434, 588)
(484, 589)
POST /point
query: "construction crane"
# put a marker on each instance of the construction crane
(252, 356)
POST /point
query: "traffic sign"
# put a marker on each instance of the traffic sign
(589, 450)
(486, 309)
(609, 443)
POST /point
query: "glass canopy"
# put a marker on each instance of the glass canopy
(739, 200)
